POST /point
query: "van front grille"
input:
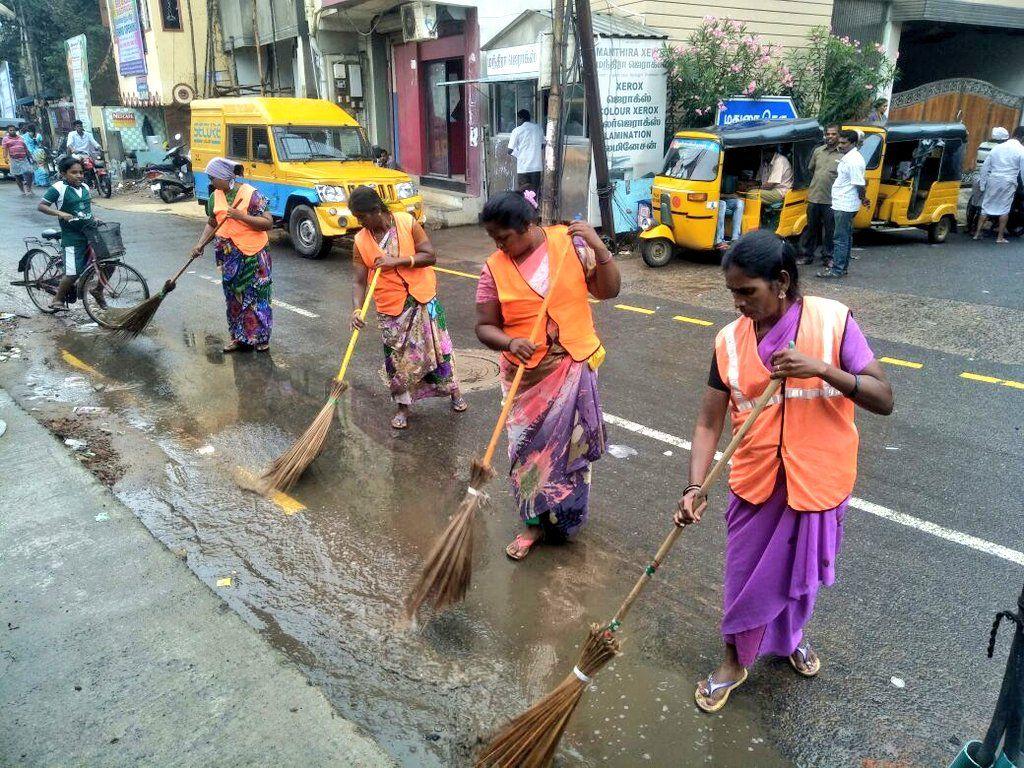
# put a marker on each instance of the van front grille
(386, 191)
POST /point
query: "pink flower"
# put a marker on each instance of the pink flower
(751, 87)
(717, 33)
(879, 48)
(869, 87)
(721, 105)
(736, 68)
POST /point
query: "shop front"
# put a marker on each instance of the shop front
(632, 91)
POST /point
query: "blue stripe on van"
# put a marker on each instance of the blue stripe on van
(275, 192)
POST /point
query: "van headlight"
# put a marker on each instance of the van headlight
(405, 189)
(330, 194)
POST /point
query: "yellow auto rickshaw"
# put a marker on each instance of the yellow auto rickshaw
(705, 167)
(913, 173)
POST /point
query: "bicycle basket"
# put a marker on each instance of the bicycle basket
(105, 240)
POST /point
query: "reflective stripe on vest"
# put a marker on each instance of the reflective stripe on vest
(569, 307)
(809, 431)
(394, 286)
(248, 240)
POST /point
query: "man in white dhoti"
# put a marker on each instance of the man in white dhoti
(1003, 168)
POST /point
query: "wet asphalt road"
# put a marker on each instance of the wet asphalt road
(326, 583)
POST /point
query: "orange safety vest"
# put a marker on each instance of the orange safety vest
(807, 429)
(248, 240)
(395, 285)
(568, 307)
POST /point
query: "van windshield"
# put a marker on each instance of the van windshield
(692, 159)
(302, 143)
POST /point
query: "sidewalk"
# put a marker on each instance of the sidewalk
(115, 654)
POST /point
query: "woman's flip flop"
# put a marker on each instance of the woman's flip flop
(400, 421)
(520, 547)
(704, 702)
(812, 669)
(460, 404)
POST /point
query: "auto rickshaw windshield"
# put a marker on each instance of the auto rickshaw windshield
(692, 159)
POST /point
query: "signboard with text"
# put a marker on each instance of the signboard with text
(131, 53)
(7, 98)
(742, 109)
(78, 74)
(515, 60)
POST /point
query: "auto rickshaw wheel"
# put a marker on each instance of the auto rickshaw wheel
(657, 252)
(938, 231)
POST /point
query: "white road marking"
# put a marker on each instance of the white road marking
(941, 532)
(275, 302)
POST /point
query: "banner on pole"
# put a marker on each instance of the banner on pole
(8, 100)
(78, 74)
(131, 54)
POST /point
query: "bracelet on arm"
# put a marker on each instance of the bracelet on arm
(412, 261)
(856, 387)
(691, 487)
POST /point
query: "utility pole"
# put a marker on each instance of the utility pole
(554, 133)
(310, 87)
(256, 42)
(595, 120)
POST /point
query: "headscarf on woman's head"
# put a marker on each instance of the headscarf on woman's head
(224, 169)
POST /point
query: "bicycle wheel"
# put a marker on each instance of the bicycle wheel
(109, 288)
(43, 272)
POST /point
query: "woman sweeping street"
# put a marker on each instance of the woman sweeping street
(418, 360)
(241, 251)
(792, 475)
(555, 427)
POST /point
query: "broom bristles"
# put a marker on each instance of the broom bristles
(532, 738)
(287, 468)
(132, 322)
(448, 568)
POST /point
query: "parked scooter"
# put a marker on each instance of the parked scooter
(172, 178)
(97, 175)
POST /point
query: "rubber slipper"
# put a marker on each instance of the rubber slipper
(520, 547)
(703, 700)
(460, 405)
(813, 669)
(403, 424)
(234, 346)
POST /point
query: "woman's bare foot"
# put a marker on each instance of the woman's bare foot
(236, 346)
(401, 418)
(459, 403)
(524, 542)
(805, 661)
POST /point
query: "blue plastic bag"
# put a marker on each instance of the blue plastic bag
(41, 177)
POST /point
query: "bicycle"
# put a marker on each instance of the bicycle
(106, 286)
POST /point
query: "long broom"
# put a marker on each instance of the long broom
(446, 573)
(132, 322)
(287, 468)
(532, 738)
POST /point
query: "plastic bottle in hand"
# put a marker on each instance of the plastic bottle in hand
(579, 243)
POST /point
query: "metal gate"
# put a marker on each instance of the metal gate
(977, 104)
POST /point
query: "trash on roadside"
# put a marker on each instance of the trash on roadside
(666, 453)
(898, 682)
(91, 409)
(75, 444)
(206, 450)
(621, 451)
(225, 582)
(7, 316)
(102, 517)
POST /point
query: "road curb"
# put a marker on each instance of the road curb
(115, 653)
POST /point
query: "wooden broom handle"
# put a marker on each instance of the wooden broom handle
(362, 312)
(709, 480)
(199, 250)
(521, 368)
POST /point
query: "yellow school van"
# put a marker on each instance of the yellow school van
(304, 155)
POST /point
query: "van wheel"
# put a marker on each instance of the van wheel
(939, 230)
(307, 240)
(657, 252)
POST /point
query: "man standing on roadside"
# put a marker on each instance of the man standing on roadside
(849, 194)
(820, 229)
(525, 144)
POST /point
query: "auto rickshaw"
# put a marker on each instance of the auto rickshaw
(704, 165)
(913, 173)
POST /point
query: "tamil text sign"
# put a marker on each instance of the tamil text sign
(78, 74)
(516, 60)
(131, 55)
(741, 109)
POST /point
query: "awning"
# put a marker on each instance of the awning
(492, 79)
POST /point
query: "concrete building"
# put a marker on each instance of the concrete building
(784, 22)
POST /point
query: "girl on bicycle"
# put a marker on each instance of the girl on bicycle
(70, 200)
(242, 256)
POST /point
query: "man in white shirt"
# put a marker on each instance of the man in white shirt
(775, 178)
(1003, 169)
(81, 143)
(849, 195)
(525, 144)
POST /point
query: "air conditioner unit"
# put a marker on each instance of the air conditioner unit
(419, 21)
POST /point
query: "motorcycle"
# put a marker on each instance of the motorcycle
(97, 175)
(172, 178)
(1015, 222)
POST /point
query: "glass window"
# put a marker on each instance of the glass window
(692, 159)
(509, 98)
(300, 143)
(871, 150)
(170, 14)
(575, 113)
(238, 142)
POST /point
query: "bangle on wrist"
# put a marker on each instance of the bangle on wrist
(856, 387)
(691, 487)
(412, 261)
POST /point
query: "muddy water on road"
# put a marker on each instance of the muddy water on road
(326, 584)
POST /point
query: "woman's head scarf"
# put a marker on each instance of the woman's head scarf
(222, 168)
